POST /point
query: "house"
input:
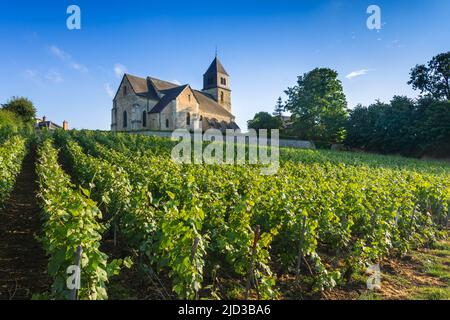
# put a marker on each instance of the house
(44, 123)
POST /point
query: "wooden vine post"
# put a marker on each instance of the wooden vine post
(193, 252)
(250, 273)
(300, 249)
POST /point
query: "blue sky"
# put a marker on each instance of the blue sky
(264, 45)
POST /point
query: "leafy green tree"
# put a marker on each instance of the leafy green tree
(9, 123)
(434, 129)
(8, 118)
(279, 108)
(433, 78)
(359, 127)
(23, 107)
(404, 126)
(318, 106)
(264, 120)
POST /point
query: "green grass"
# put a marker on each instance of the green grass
(432, 294)
(436, 263)
(369, 295)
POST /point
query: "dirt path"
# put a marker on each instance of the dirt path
(23, 265)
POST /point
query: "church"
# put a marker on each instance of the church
(150, 104)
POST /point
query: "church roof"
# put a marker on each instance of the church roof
(152, 88)
(138, 84)
(209, 105)
(163, 85)
(169, 95)
(215, 67)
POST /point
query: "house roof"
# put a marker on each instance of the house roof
(48, 124)
(215, 67)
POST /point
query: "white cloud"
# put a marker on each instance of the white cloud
(32, 75)
(120, 70)
(109, 90)
(67, 58)
(54, 76)
(42, 78)
(357, 73)
(176, 82)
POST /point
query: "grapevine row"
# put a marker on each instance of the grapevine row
(12, 153)
(71, 219)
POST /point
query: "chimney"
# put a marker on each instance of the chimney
(65, 125)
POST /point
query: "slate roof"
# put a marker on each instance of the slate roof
(208, 105)
(152, 88)
(48, 124)
(216, 66)
(138, 84)
(169, 95)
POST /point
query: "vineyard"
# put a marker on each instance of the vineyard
(221, 231)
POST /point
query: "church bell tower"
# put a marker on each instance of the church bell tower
(216, 82)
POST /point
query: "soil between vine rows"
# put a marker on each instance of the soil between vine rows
(23, 264)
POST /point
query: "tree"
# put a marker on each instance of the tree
(433, 78)
(279, 108)
(9, 122)
(434, 129)
(404, 126)
(264, 120)
(22, 107)
(318, 106)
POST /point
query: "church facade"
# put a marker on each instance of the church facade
(150, 104)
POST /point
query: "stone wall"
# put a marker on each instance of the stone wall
(187, 104)
(300, 144)
(133, 105)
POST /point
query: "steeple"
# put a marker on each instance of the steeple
(213, 72)
(216, 82)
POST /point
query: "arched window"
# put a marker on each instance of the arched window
(167, 123)
(125, 90)
(144, 119)
(125, 119)
(221, 96)
(188, 119)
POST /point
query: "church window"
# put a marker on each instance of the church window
(223, 81)
(188, 119)
(144, 119)
(125, 120)
(189, 97)
(221, 96)
(125, 90)
(167, 123)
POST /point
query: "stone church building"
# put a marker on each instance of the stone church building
(152, 104)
